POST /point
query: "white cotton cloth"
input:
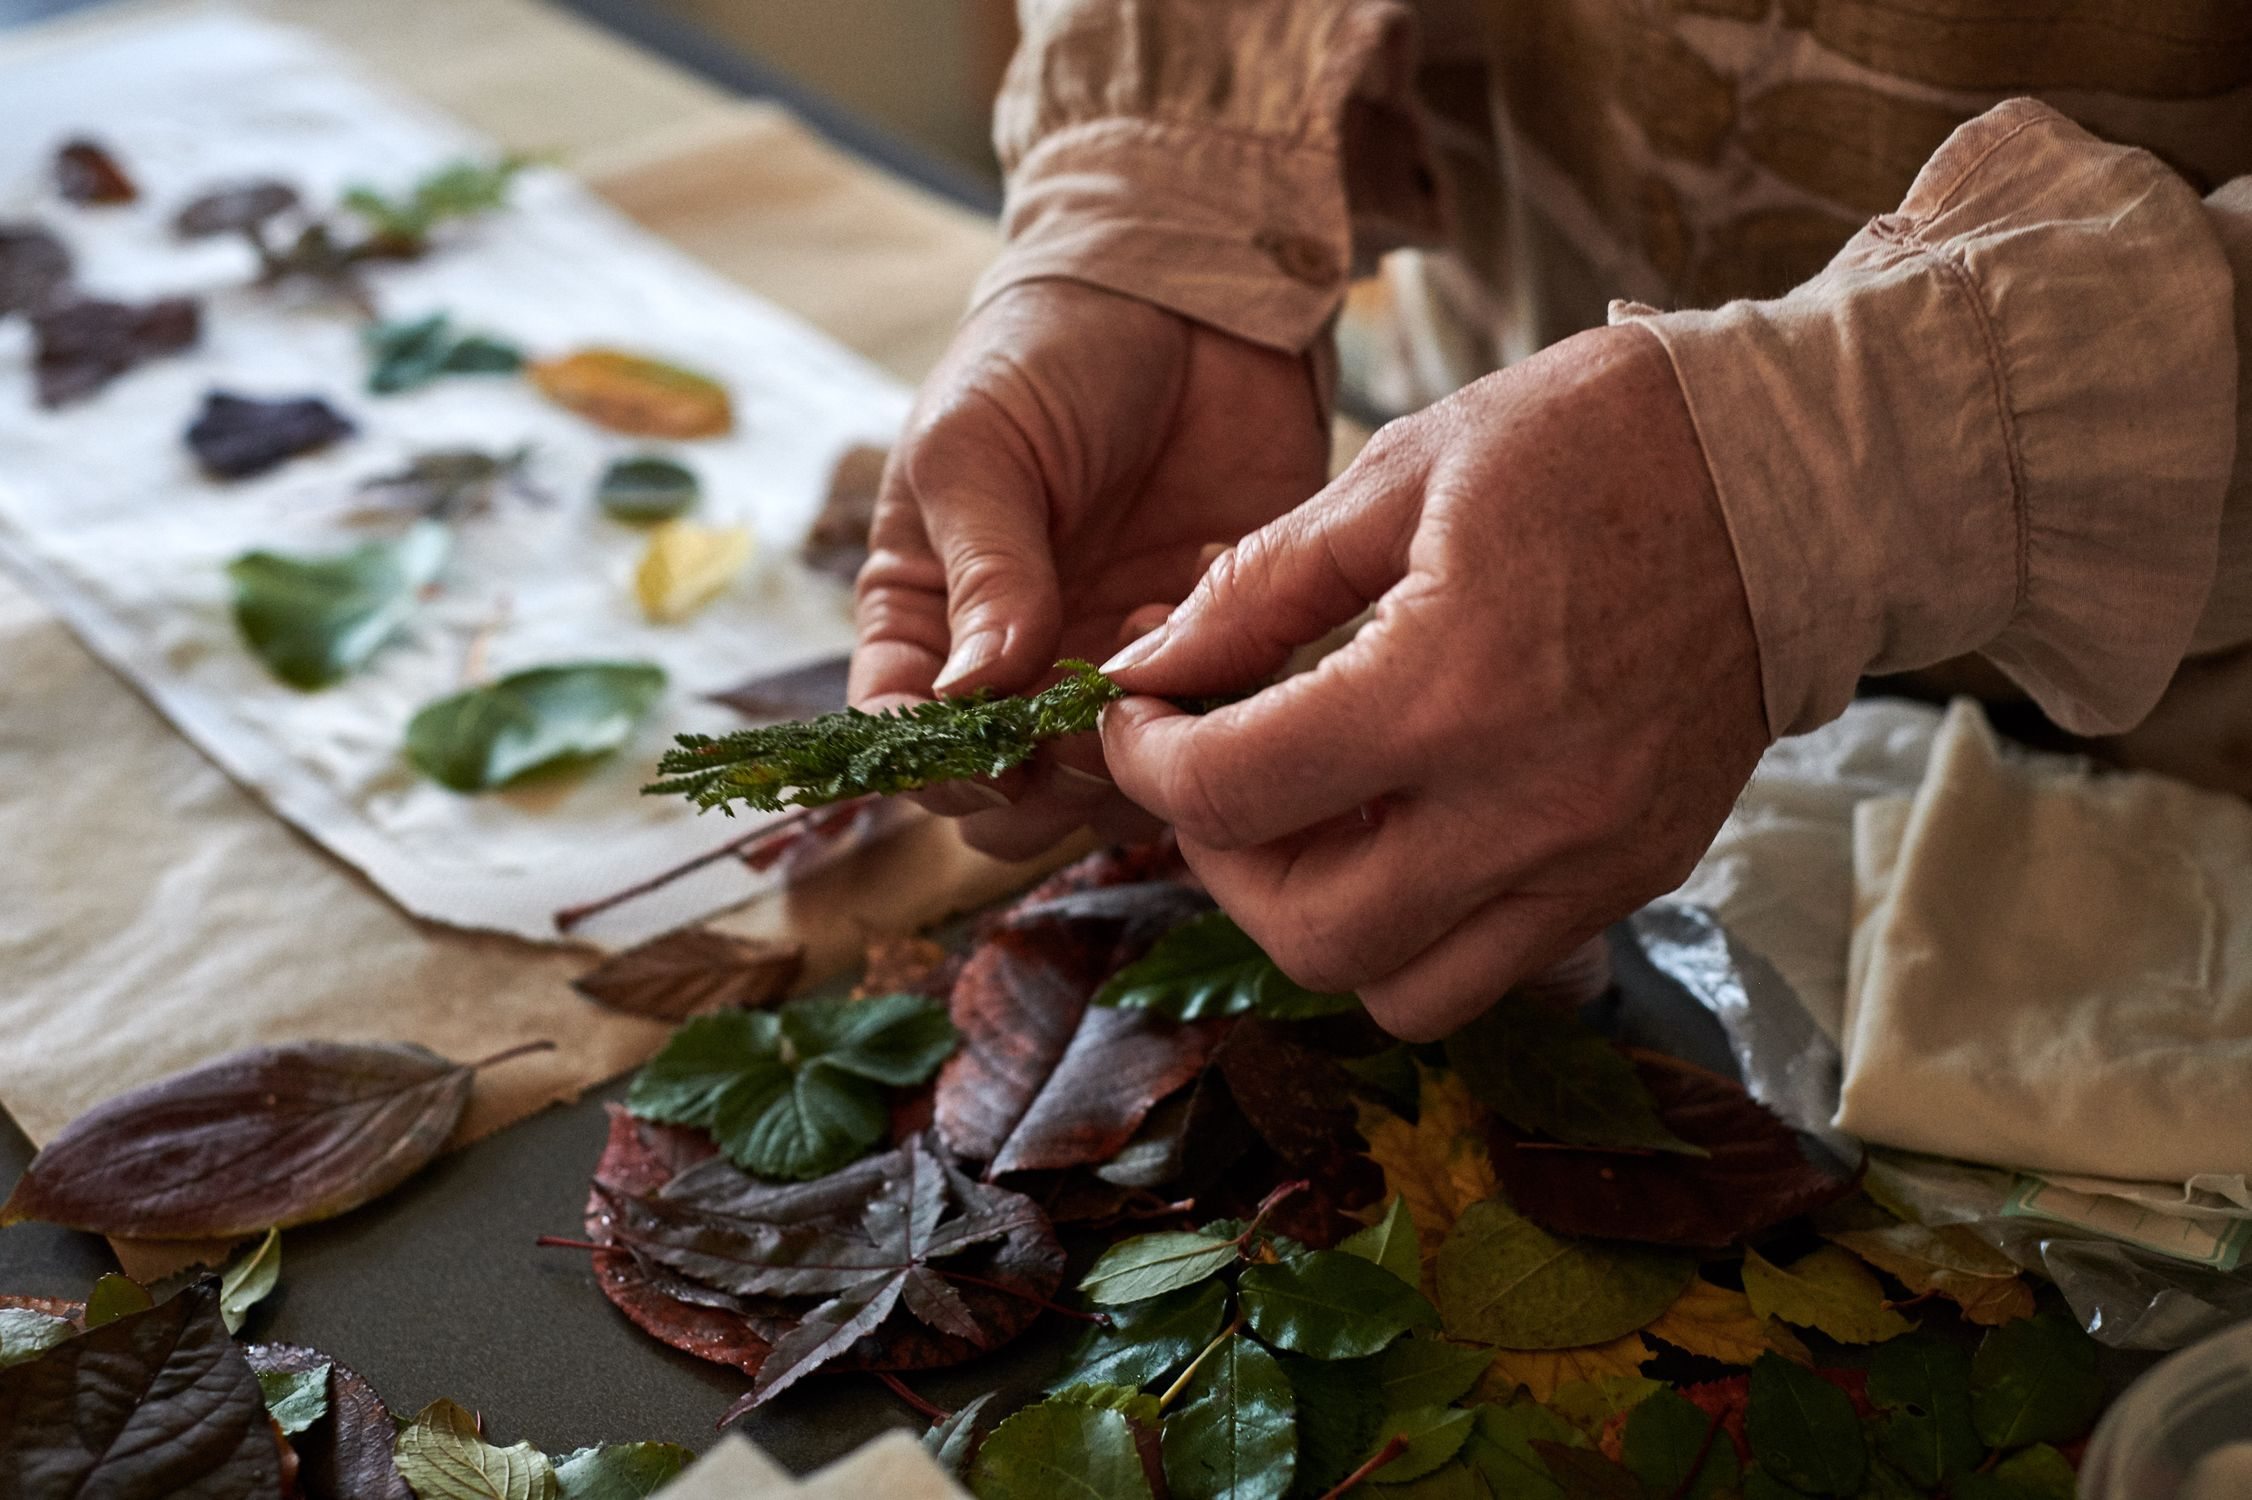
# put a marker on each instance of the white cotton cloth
(2051, 968)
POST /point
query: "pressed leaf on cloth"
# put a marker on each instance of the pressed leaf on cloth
(87, 172)
(647, 488)
(685, 566)
(316, 620)
(82, 344)
(818, 687)
(636, 395)
(404, 355)
(531, 721)
(237, 437)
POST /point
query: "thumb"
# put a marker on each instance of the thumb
(989, 529)
(1286, 585)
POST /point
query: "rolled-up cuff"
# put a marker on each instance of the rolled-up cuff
(2001, 420)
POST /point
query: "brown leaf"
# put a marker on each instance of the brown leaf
(346, 1455)
(838, 543)
(692, 971)
(235, 437)
(1715, 1322)
(34, 267)
(800, 693)
(1541, 1371)
(1756, 1175)
(907, 966)
(1947, 1259)
(85, 172)
(636, 395)
(234, 208)
(1118, 1064)
(1439, 1165)
(84, 345)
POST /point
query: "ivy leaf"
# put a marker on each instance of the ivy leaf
(685, 567)
(159, 1402)
(2035, 1381)
(950, 1440)
(1714, 1322)
(531, 721)
(1922, 1388)
(26, 1333)
(35, 268)
(87, 173)
(1209, 967)
(442, 1453)
(1825, 1289)
(316, 620)
(693, 971)
(1502, 1279)
(115, 1295)
(1389, 1242)
(264, 1138)
(1149, 1265)
(1438, 1165)
(347, 1456)
(413, 352)
(237, 437)
(1234, 1435)
(1330, 1305)
(1542, 1070)
(636, 395)
(619, 1471)
(250, 1281)
(1803, 1429)
(1947, 1259)
(295, 1399)
(1677, 1450)
(1060, 1450)
(1150, 1339)
(1585, 1474)
(2036, 1473)
(794, 1093)
(1424, 1370)
(1434, 1434)
(1500, 1450)
(1338, 1412)
(648, 488)
(82, 344)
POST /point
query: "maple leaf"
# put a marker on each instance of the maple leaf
(1438, 1165)
(1543, 1371)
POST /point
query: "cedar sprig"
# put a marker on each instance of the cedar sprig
(856, 754)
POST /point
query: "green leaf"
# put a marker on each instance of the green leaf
(1500, 1450)
(25, 1334)
(250, 1281)
(2036, 1473)
(1338, 1410)
(1150, 1264)
(1585, 1474)
(1330, 1305)
(1761, 1485)
(1542, 1070)
(1826, 1289)
(1589, 1404)
(950, 1440)
(1151, 1339)
(442, 1456)
(1390, 1242)
(1453, 1480)
(1234, 1435)
(1803, 1430)
(894, 1039)
(1209, 967)
(1422, 1370)
(1504, 1280)
(699, 1063)
(1678, 1451)
(1060, 1450)
(113, 1297)
(2035, 1381)
(1139, 1407)
(316, 620)
(619, 1471)
(413, 352)
(295, 1399)
(1435, 1434)
(646, 489)
(1921, 1386)
(1885, 1483)
(457, 190)
(531, 721)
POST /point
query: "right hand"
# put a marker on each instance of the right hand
(1067, 471)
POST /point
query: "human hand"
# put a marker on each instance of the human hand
(1073, 460)
(1542, 727)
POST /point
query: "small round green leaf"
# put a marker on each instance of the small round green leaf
(647, 489)
(1151, 1264)
(1060, 1450)
(1330, 1305)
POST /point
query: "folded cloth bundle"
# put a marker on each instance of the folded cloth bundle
(2051, 967)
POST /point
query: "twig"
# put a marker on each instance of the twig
(510, 1054)
(1268, 1205)
(737, 848)
(901, 1389)
(1378, 1460)
(1102, 1319)
(1181, 1381)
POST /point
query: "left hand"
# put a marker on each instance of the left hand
(1543, 726)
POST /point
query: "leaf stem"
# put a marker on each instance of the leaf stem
(1180, 1383)
(906, 1393)
(558, 1242)
(1103, 1319)
(744, 847)
(1268, 1205)
(1689, 1480)
(1377, 1460)
(510, 1054)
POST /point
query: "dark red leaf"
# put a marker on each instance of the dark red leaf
(908, 966)
(158, 1405)
(84, 345)
(235, 437)
(1119, 1063)
(838, 542)
(346, 1455)
(236, 208)
(691, 972)
(85, 172)
(1756, 1176)
(34, 267)
(800, 693)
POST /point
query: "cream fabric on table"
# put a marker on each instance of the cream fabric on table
(2052, 969)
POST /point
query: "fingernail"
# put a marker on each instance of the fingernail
(992, 794)
(972, 654)
(1085, 778)
(1136, 652)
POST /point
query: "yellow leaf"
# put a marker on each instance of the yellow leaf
(1782, 1341)
(1949, 1260)
(1544, 1371)
(636, 395)
(1715, 1322)
(1439, 1164)
(1827, 1290)
(686, 566)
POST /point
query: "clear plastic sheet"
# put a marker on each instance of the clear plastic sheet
(2124, 1295)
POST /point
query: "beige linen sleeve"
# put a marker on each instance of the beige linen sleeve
(1222, 158)
(2002, 420)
